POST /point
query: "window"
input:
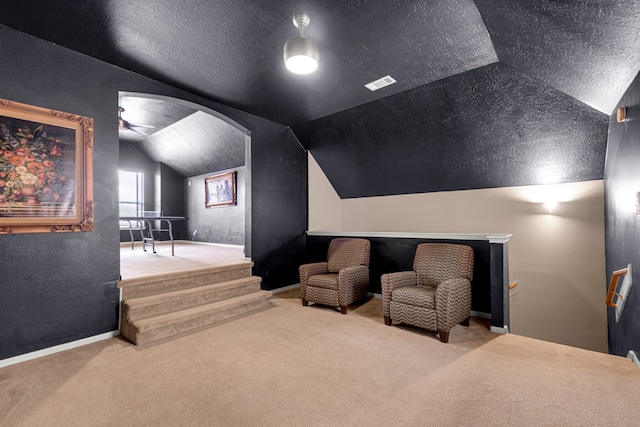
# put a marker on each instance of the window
(131, 195)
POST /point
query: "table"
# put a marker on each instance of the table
(144, 221)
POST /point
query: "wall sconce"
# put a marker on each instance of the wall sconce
(638, 203)
(550, 206)
(622, 115)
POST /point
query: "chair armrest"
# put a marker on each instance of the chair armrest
(453, 303)
(353, 284)
(308, 270)
(391, 281)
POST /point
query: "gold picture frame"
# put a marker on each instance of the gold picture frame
(46, 170)
(221, 190)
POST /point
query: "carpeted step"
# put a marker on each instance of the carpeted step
(155, 328)
(139, 308)
(169, 282)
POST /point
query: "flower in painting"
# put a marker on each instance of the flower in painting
(28, 179)
(28, 156)
(17, 160)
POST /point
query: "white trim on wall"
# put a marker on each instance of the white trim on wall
(634, 357)
(493, 238)
(57, 349)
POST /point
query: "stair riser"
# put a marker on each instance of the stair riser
(183, 282)
(204, 297)
(205, 319)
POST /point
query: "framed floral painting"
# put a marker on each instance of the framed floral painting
(220, 190)
(46, 170)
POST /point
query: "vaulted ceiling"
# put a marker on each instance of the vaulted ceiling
(580, 54)
(231, 50)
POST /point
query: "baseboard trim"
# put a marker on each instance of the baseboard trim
(57, 349)
(480, 314)
(286, 288)
(634, 357)
(499, 330)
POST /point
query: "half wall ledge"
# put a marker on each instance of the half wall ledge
(394, 251)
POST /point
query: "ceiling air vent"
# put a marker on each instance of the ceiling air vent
(380, 83)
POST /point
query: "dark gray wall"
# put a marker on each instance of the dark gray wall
(622, 225)
(278, 204)
(131, 159)
(489, 127)
(222, 224)
(57, 288)
(171, 202)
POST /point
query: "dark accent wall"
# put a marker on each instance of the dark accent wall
(622, 225)
(389, 255)
(131, 159)
(278, 204)
(171, 201)
(57, 288)
(486, 128)
(222, 224)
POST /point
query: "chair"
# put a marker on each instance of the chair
(342, 279)
(436, 295)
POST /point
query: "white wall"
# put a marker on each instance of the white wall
(558, 259)
(325, 206)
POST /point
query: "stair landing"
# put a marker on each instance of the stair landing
(160, 306)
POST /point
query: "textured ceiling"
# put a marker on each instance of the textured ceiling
(231, 50)
(195, 145)
(587, 51)
(147, 116)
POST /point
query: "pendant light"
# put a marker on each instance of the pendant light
(301, 54)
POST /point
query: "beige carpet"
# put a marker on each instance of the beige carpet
(295, 366)
(188, 256)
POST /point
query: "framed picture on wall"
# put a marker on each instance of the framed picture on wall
(46, 170)
(220, 190)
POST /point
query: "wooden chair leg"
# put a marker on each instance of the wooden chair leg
(343, 309)
(305, 302)
(465, 322)
(444, 336)
(387, 320)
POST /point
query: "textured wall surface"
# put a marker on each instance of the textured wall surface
(622, 183)
(130, 159)
(171, 201)
(588, 50)
(490, 127)
(223, 224)
(58, 288)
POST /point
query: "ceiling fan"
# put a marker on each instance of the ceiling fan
(125, 125)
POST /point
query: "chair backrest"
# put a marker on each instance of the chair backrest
(437, 262)
(345, 252)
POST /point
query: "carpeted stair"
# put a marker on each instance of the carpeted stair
(160, 306)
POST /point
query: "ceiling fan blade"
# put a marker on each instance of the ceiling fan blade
(125, 125)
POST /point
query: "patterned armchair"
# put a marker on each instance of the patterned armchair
(342, 279)
(436, 295)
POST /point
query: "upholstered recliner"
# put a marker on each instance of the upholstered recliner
(436, 295)
(342, 279)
